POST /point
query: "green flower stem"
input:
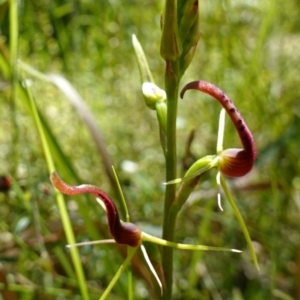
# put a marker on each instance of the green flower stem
(184, 191)
(167, 253)
(241, 222)
(171, 83)
(171, 86)
(60, 202)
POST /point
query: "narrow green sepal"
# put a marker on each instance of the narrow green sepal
(145, 72)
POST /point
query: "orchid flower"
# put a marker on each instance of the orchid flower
(233, 162)
(125, 233)
(122, 232)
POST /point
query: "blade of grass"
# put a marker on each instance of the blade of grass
(13, 33)
(13, 50)
(10, 71)
(60, 202)
(88, 118)
(61, 160)
(83, 111)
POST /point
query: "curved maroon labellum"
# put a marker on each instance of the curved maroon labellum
(123, 232)
(233, 162)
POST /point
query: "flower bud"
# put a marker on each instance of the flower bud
(189, 16)
(153, 94)
(170, 47)
(188, 31)
(189, 46)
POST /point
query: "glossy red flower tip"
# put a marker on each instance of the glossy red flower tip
(123, 232)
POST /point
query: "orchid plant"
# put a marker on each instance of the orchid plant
(180, 35)
(230, 162)
(125, 233)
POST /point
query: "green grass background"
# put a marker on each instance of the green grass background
(250, 49)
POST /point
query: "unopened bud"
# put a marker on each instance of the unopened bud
(153, 94)
(188, 31)
(170, 47)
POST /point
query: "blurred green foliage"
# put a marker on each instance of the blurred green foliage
(251, 49)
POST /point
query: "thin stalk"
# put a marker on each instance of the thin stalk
(60, 202)
(130, 291)
(121, 195)
(13, 51)
(171, 84)
(129, 249)
(13, 34)
(119, 273)
(275, 228)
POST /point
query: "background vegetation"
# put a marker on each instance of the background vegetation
(248, 48)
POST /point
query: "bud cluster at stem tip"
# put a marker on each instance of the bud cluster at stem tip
(188, 30)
